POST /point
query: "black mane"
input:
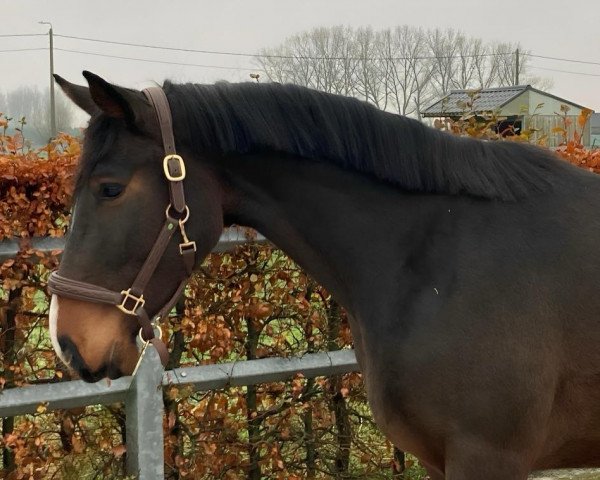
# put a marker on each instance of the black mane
(249, 117)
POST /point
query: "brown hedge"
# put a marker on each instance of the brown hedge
(248, 304)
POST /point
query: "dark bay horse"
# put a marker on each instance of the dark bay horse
(469, 269)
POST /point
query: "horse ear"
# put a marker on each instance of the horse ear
(79, 94)
(115, 101)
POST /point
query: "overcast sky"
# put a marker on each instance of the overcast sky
(558, 28)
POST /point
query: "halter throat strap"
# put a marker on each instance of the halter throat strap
(132, 301)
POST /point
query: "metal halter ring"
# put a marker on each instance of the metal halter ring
(157, 334)
(185, 217)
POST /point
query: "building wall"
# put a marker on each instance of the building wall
(545, 123)
(595, 130)
(517, 106)
(551, 105)
(542, 112)
(527, 104)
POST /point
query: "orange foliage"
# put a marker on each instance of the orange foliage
(483, 126)
(251, 303)
(572, 149)
(248, 304)
(36, 187)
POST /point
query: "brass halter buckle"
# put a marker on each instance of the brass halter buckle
(138, 302)
(167, 169)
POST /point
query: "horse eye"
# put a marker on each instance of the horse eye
(110, 190)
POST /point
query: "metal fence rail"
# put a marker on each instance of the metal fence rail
(230, 239)
(77, 393)
(142, 394)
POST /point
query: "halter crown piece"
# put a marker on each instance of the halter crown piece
(131, 301)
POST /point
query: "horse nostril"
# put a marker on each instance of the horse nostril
(75, 360)
(67, 348)
(77, 363)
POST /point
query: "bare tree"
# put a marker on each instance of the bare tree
(542, 83)
(443, 48)
(470, 58)
(486, 68)
(370, 76)
(408, 69)
(504, 63)
(284, 63)
(400, 69)
(34, 105)
(321, 58)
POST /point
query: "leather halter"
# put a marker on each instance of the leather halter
(131, 301)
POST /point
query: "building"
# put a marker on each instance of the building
(519, 107)
(595, 130)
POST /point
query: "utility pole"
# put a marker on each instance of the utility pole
(52, 103)
(517, 67)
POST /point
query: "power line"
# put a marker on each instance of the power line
(5, 35)
(157, 47)
(562, 59)
(565, 71)
(154, 61)
(23, 49)
(289, 57)
(233, 68)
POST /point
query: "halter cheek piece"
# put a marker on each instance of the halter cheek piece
(131, 301)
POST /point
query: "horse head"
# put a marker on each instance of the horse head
(122, 206)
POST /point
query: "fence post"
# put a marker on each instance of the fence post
(144, 419)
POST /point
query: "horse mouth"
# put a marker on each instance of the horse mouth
(72, 359)
(92, 351)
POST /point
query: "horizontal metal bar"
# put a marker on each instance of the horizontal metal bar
(76, 393)
(233, 237)
(252, 372)
(10, 247)
(230, 238)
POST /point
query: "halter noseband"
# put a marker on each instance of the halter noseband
(131, 301)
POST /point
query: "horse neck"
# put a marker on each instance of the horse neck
(338, 225)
